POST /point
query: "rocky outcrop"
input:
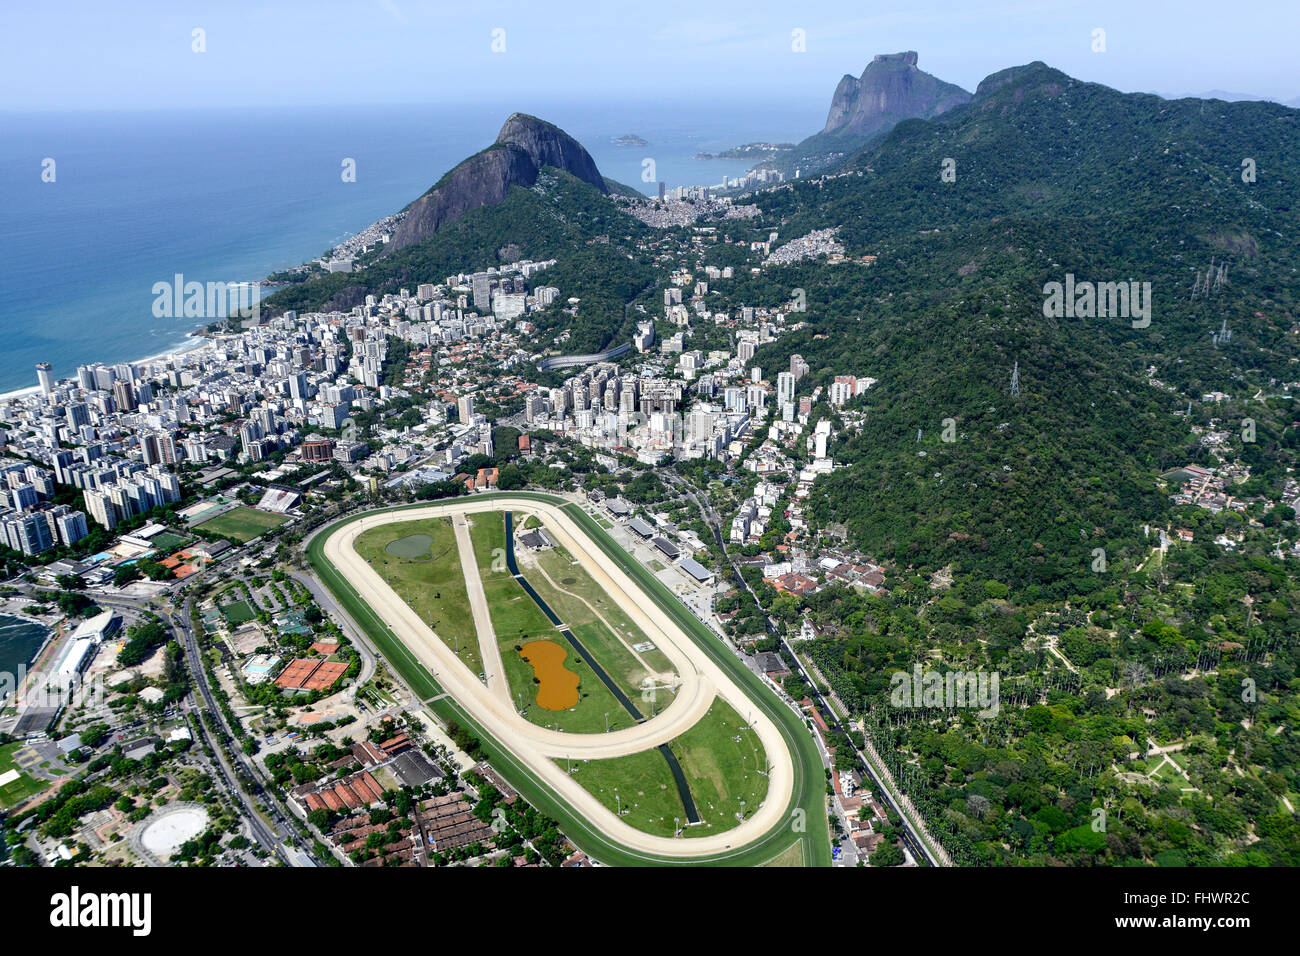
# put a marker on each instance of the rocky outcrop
(549, 145)
(891, 89)
(524, 145)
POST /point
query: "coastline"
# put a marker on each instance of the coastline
(50, 631)
(193, 340)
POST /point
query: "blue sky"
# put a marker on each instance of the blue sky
(137, 55)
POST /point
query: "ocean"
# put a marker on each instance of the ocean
(19, 641)
(227, 196)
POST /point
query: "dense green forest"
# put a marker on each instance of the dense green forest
(1099, 661)
(1053, 176)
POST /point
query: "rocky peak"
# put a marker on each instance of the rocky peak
(548, 145)
(890, 89)
(524, 145)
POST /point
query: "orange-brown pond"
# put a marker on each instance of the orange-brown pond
(558, 687)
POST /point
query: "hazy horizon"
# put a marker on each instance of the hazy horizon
(395, 52)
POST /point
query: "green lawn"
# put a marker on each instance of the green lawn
(573, 597)
(12, 794)
(240, 525)
(431, 582)
(515, 616)
(238, 613)
(594, 698)
(791, 856)
(7, 756)
(16, 791)
(721, 758)
(570, 576)
(639, 786)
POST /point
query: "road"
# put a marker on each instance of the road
(494, 668)
(914, 842)
(230, 762)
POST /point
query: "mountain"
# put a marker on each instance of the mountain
(535, 193)
(524, 146)
(1229, 96)
(890, 89)
(1053, 176)
(1015, 526)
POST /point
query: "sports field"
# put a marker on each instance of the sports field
(729, 741)
(18, 788)
(166, 542)
(240, 525)
(238, 613)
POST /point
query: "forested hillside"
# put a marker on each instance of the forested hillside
(1053, 176)
(994, 537)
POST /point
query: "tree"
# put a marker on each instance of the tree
(511, 478)
(887, 854)
(125, 574)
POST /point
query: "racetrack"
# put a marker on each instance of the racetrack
(537, 747)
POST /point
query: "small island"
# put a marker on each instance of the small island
(630, 139)
(749, 151)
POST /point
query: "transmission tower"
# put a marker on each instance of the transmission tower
(1015, 380)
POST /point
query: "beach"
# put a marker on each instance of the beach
(194, 340)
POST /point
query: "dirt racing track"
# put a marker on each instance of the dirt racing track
(538, 748)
